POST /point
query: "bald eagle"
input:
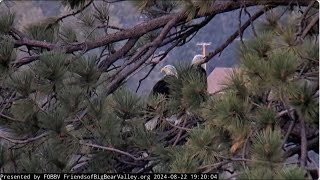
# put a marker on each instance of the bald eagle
(162, 87)
(201, 68)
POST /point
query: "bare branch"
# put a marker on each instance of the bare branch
(314, 20)
(24, 141)
(145, 77)
(106, 63)
(143, 28)
(236, 34)
(303, 155)
(68, 15)
(251, 22)
(152, 47)
(111, 149)
(303, 18)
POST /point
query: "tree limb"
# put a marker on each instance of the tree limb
(111, 149)
(71, 14)
(313, 143)
(24, 141)
(152, 47)
(143, 28)
(236, 34)
(314, 20)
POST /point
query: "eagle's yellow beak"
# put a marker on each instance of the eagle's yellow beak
(163, 69)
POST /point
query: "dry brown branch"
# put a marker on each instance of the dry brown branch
(111, 149)
(141, 29)
(24, 141)
(314, 20)
(303, 155)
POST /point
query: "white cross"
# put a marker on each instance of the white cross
(204, 45)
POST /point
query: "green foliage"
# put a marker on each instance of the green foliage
(57, 152)
(291, 172)
(99, 163)
(53, 120)
(257, 173)
(189, 9)
(288, 173)
(184, 162)
(6, 22)
(266, 117)
(102, 12)
(258, 46)
(267, 146)
(270, 24)
(188, 91)
(156, 104)
(22, 81)
(41, 32)
(7, 53)
(302, 96)
(282, 66)
(68, 34)
(236, 82)
(201, 141)
(87, 69)
(239, 128)
(143, 139)
(309, 48)
(87, 19)
(51, 66)
(108, 129)
(32, 164)
(23, 109)
(71, 98)
(204, 6)
(126, 104)
(233, 115)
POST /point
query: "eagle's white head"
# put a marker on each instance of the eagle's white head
(169, 70)
(197, 60)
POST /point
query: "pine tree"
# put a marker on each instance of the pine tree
(64, 112)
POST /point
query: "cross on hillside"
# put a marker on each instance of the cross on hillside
(204, 45)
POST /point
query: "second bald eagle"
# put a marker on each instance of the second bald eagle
(162, 86)
(201, 68)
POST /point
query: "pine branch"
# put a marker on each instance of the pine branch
(68, 15)
(179, 127)
(10, 118)
(111, 27)
(145, 77)
(152, 47)
(106, 63)
(311, 144)
(236, 34)
(251, 22)
(303, 18)
(144, 28)
(24, 141)
(113, 150)
(314, 20)
(303, 155)
(291, 126)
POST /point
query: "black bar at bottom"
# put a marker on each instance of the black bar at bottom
(100, 176)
